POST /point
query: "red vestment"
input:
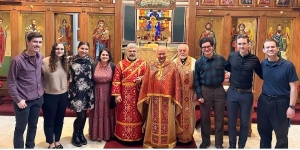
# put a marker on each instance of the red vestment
(161, 89)
(128, 119)
(2, 44)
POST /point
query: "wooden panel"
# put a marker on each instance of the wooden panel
(247, 13)
(296, 49)
(227, 26)
(191, 27)
(15, 31)
(50, 32)
(117, 52)
(60, 9)
(83, 24)
(262, 36)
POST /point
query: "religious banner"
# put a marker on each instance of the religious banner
(155, 4)
(101, 32)
(154, 25)
(33, 22)
(63, 27)
(244, 26)
(5, 43)
(280, 29)
(208, 27)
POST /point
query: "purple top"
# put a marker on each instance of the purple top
(24, 79)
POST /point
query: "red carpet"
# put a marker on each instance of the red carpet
(138, 145)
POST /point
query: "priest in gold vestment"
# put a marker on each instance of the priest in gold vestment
(125, 87)
(187, 118)
(159, 102)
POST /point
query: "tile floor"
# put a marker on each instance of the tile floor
(7, 124)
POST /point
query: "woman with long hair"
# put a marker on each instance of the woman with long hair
(102, 118)
(81, 90)
(54, 70)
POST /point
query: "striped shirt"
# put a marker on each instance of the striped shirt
(209, 72)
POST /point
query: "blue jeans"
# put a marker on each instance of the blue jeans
(30, 116)
(238, 102)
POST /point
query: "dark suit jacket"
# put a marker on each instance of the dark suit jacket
(112, 102)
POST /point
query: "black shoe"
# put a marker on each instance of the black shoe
(204, 145)
(232, 147)
(75, 139)
(82, 139)
(51, 148)
(59, 146)
(219, 146)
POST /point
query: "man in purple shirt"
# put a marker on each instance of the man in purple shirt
(25, 87)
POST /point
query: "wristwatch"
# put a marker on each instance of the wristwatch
(292, 106)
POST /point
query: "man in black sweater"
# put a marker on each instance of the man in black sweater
(239, 95)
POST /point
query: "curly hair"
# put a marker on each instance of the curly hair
(53, 59)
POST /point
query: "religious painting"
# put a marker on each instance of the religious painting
(264, 2)
(155, 4)
(100, 33)
(154, 25)
(5, 43)
(246, 2)
(246, 26)
(63, 31)
(280, 29)
(208, 2)
(227, 2)
(282, 2)
(208, 27)
(33, 22)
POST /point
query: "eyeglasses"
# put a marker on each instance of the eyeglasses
(205, 47)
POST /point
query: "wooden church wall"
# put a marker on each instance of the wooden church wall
(225, 18)
(48, 12)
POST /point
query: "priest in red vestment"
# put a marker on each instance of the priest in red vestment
(159, 102)
(187, 118)
(125, 87)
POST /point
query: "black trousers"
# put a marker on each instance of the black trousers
(213, 97)
(271, 115)
(54, 109)
(30, 116)
(238, 102)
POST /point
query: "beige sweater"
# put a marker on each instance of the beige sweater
(55, 82)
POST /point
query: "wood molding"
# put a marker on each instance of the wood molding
(49, 37)
(83, 24)
(295, 46)
(227, 27)
(15, 20)
(117, 52)
(262, 36)
(191, 27)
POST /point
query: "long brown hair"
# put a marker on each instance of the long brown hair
(53, 59)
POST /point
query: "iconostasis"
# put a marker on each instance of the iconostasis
(32, 22)
(100, 33)
(64, 31)
(208, 27)
(244, 26)
(5, 43)
(280, 29)
(152, 24)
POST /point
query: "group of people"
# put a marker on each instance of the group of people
(276, 103)
(154, 101)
